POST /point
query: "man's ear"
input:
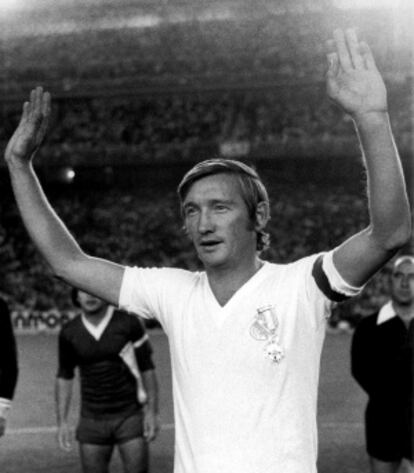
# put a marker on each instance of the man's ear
(262, 215)
(185, 231)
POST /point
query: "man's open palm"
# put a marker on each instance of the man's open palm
(353, 80)
(32, 127)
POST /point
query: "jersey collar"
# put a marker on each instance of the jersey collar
(386, 313)
(97, 330)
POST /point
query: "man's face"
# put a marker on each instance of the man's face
(217, 222)
(402, 283)
(90, 304)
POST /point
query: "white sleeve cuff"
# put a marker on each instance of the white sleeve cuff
(336, 281)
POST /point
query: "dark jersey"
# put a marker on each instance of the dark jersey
(383, 359)
(8, 354)
(383, 365)
(108, 387)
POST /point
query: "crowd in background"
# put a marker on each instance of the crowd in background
(142, 128)
(188, 84)
(261, 44)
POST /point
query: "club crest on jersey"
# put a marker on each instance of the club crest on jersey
(266, 328)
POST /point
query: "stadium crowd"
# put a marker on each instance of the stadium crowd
(184, 49)
(177, 125)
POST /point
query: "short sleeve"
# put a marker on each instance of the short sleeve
(138, 293)
(154, 292)
(314, 286)
(330, 282)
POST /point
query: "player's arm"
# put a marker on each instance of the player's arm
(49, 234)
(63, 389)
(63, 398)
(355, 84)
(151, 411)
(145, 363)
(8, 364)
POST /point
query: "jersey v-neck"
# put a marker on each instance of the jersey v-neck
(96, 331)
(221, 313)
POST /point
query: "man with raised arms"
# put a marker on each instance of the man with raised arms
(245, 334)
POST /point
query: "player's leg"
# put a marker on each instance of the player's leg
(134, 455)
(133, 449)
(95, 458)
(95, 444)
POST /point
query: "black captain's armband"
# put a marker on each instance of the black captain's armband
(323, 283)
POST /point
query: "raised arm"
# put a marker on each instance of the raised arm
(49, 234)
(355, 84)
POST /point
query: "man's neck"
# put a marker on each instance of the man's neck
(225, 282)
(405, 312)
(97, 317)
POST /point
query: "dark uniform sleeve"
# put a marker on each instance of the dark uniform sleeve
(66, 357)
(142, 346)
(363, 367)
(8, 354)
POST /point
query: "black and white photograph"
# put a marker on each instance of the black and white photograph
(206, 248)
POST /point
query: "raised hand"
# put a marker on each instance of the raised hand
(32, 127)
(353, 80)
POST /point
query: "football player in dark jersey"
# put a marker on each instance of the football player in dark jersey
(119, 391)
